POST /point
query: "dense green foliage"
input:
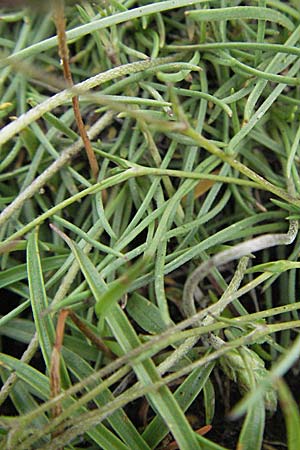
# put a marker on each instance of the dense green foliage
(193, 112)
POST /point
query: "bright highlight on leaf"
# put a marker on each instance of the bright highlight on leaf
(119, 287)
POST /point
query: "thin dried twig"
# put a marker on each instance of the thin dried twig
(60, 22)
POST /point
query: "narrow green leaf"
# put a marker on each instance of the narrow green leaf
(38, 297)
(17, 273)
(275, 266)
(209, 400)
(241, 12)
(206, 444)
(21, 330)
(145, 313)
(252, 432)
(290, 409)
(37, 382)
(286, 206)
